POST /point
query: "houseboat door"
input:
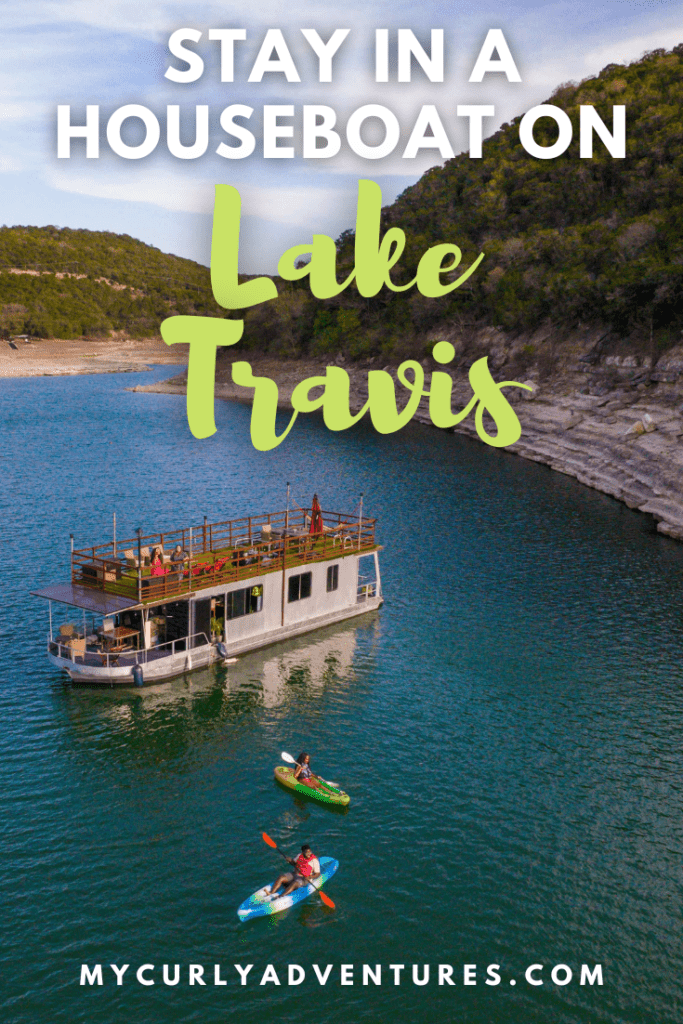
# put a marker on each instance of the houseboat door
(202, 622)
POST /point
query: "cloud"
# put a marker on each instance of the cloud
(170, 192)
(149, 19)
(9, 164)
(282, 204)
(623, 50)
(15, 111)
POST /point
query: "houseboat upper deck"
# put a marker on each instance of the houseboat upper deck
(167, 602)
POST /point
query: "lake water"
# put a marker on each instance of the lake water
(508, 726)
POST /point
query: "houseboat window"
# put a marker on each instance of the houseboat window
(129, 620)
(300, 586)
(244, 602)
(332, 578)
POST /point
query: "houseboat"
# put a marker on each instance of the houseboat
(146, 609)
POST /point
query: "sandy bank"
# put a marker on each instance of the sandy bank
(52, 357)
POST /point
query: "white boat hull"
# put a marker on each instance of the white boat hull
(167, 667)
(152, 671)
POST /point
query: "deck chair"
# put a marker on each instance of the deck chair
(132, 559)
(334, 532)
(77, 647)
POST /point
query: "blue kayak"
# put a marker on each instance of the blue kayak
(260, 904)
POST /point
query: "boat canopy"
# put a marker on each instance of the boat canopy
(85, 597)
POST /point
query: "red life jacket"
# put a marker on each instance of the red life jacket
(303, 865)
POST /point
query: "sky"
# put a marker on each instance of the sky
(113, 53)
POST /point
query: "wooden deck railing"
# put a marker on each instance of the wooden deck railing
(218, 554)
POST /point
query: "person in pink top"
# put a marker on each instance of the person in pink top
(157, 563)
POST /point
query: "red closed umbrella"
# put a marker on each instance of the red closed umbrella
(316, 517)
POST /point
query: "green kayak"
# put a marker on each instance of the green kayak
(326, 794)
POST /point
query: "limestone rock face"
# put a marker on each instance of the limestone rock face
(628, 362)
(664, 376)
(671, 360)
(498, 357)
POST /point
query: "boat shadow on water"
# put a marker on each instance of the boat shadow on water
(169, 719)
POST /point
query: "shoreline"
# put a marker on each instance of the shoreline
(624, 439)
(54, 357)
(627, 443)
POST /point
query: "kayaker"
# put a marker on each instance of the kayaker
(306, 869)
(303, 773)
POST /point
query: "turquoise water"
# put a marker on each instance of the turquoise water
(508, 725)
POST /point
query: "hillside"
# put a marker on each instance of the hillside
(569, 242)
(58, 282)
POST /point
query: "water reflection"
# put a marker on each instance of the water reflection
(168, 721)
(311, 666)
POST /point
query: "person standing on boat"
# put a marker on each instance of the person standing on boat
(178, 559)
(303, 773)
(157, 563)
(306, 869)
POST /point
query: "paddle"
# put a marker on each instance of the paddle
(290, 760)
(271, 842)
